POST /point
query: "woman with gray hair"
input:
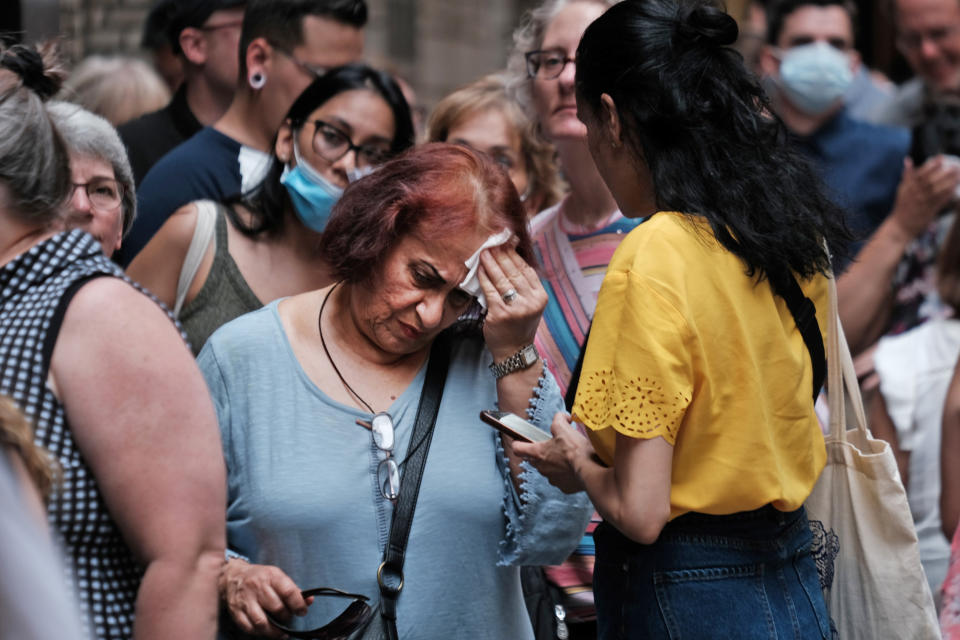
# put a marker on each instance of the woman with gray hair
(111, 391)
(574, 241)
(103, 201)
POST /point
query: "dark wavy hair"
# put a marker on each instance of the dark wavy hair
(699, 120)
(268, 200)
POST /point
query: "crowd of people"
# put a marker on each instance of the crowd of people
(252, 306)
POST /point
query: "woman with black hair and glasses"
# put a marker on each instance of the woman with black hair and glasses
(213, 262)
(697, 384)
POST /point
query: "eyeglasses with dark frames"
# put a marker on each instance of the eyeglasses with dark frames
(547, 64)
(332, 143)
(103, 193)
(354, 617)
(314, 71)
(222, 25)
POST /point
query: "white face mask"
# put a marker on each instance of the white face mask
(359, 172)
(814, 76)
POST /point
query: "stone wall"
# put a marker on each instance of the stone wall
(436, 44)
(101, 26)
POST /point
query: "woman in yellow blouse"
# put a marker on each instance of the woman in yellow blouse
(697, 384)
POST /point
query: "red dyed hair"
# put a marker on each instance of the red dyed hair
(435, 190)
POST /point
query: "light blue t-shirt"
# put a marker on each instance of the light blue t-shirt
(303, 494)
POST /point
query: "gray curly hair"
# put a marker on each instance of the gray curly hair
(529, 36)
(88, 134)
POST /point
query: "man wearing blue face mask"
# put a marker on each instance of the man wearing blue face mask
(810, 62)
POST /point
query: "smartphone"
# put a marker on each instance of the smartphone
(514, 426)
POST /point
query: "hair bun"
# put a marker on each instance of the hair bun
(38, 70)
(704, 22)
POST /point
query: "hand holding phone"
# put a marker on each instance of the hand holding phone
(514, 426)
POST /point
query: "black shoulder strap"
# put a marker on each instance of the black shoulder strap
(390, 573)
(56, 321)
(571, 393)
(805, 316)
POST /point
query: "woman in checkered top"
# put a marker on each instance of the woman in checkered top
(111, 391)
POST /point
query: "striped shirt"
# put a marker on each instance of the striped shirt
(573, 261)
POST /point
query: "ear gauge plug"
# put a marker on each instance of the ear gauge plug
(257, 80)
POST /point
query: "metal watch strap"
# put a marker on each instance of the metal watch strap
(515, 362)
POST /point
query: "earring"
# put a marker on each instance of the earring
(257, 80)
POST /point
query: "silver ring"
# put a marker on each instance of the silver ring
(510, 296)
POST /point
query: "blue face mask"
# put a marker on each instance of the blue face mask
(313, 196)
(814, 77)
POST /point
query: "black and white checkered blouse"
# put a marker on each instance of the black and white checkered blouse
(35, 289)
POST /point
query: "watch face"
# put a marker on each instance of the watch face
(529, 355)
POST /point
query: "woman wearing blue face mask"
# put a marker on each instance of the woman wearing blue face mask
(212, 262)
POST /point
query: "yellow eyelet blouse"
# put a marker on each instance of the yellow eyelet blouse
(686, 346)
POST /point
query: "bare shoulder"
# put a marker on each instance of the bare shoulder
(111, 309)
(302, 307)
(177, 232)
(158, 265)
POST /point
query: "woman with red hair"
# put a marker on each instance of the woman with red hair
(431, 248)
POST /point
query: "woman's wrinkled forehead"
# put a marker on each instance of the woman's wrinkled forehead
(456, 247)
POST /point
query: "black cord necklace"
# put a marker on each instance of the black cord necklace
(330, 358)
(412, 449)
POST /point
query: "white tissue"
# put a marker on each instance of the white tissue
(471, 284)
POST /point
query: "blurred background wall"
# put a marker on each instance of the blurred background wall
(437, 45)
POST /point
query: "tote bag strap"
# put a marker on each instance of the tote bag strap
(843, 390)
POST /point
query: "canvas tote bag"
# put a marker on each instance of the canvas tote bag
(865, 543)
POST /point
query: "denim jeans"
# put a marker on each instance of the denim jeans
(742, 576)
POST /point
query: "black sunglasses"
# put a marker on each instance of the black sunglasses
(354, 617)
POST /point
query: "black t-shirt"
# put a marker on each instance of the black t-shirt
(152, 136)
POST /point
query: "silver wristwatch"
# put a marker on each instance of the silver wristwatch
(526, 357)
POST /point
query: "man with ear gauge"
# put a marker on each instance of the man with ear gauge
(698, 382)
(811, 61)
(284, 46)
